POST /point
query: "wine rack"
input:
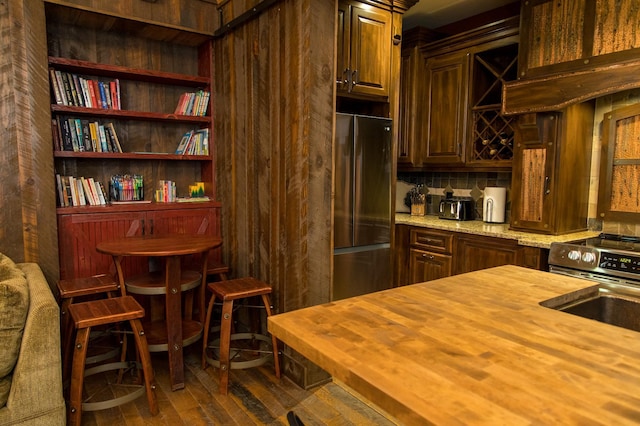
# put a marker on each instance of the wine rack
(492, 133)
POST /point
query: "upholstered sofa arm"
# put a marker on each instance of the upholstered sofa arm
(36, 397)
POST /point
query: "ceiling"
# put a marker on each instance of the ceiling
(436, 13)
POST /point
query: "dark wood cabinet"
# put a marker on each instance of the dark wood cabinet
(550, 180)
(408, 129)
(364, 50)
(429, 254)
(451, 99)
(445, 101)
(474, 253)
(424, 254)
(574, 50)
(619, 187)
(412, 79)
(563, 36)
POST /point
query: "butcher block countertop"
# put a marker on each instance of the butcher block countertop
(475, 348)
(497, 230)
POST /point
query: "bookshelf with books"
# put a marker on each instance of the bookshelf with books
(132, 102)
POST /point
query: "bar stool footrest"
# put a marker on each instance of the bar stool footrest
(239, 365)
(111, 403)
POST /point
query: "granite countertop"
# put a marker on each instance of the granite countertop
(498, 230)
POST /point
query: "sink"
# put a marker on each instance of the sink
(615, 304)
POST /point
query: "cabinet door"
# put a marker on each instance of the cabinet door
(474, 253)
(342, 48)
(619, 190)
(427, 266)
(410, 87)
(80, 233)
(446, 100)
(370, 56)
(553, 33)
(533, 172)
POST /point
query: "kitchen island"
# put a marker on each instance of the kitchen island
(476, 348)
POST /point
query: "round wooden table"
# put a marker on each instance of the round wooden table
(171, 247)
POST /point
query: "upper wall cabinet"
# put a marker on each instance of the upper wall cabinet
(572, 51)
(445, 102)
(570, 35)
(451, 98)
(412, 72)
(364, 50)
(619, 192)
(551, 166)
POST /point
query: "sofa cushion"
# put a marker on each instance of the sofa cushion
(14, 305)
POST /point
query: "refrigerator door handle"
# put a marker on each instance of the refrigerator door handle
(358, 249)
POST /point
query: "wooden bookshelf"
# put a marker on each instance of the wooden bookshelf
(152, 72)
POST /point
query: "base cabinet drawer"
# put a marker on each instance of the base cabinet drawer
(431, 240)
(427, 266)
(424, 254)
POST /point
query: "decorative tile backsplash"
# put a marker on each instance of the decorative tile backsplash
(462, 184)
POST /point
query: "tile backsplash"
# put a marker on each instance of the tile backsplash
(462, 184)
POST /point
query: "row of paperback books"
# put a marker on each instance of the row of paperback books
(194, 142)
(78, 135)
(193, 103)
(74, 90)
(78, 191)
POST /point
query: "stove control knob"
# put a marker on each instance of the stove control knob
(588, 257)
(574, 255)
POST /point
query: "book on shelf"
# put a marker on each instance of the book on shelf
(72, 89)
(102, 137)
(79, 191)
(81, 135)
(114, 137)
(74, 135)
(93, 94)
(193, 103)
(55, 87)
(62, 199)
(55, 135)
(78, 90)
(65, 134)
(194, 142)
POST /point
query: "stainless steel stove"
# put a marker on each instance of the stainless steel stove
(607, 258)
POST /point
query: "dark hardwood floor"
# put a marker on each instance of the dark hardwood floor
(255, 397)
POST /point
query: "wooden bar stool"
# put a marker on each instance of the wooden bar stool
(228, 291)
(86, 315)
(219, 269)
(69, 292)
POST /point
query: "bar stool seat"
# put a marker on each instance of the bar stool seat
(228, 291)
(86, 315)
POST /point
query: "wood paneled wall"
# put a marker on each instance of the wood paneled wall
(275, 102)
(27, 193)
(274, 110)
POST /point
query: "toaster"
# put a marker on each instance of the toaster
(456, 208)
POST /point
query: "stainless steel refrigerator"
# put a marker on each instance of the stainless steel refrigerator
(362, 209)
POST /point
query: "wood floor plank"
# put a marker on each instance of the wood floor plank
(256, 397)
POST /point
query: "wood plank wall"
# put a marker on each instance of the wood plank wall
(27, 193)
(275, 102)
(274, 105)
